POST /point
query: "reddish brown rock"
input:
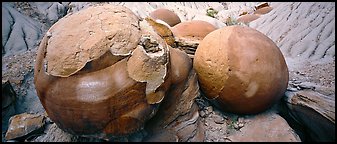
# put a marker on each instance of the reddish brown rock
(261, 5)
(189, 34)
(195, 29)
(178, 118)
(24, 124)
(84, 81)
(164, 31)
(240, 69)
(166, 15)
(107, 74)
(248, 18)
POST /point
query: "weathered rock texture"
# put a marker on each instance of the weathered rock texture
(19, 32)
(305, 33)
(178, 118)
(189, 34)
(313, 111)
(107, 62)
(89, 59)
(46, 13)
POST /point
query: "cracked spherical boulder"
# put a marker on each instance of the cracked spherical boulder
(188, 35)
(240, 70)
(194, 29)
(102, 72)
(165, 15)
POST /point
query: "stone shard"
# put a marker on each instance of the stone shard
(163, 30)
(187, 45)
(148, 63)
(24, 124)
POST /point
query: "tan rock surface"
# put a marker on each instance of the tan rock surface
(247, 18)
(265, 127)
(195, 29)
(165, 15)
(24, 124)
(240, 69)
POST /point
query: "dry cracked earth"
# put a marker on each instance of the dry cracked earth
(304, 32)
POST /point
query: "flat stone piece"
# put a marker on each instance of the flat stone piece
(24, 124)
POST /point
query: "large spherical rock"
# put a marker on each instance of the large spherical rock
(241, 69)
(166, 15)
(195, 29)
(102, 72)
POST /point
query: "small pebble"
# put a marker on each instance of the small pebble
(241, 125)
(218, 119)
(209, 109)
(202, 114)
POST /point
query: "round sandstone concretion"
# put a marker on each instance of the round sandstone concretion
(240, 69)
(195, 29)
(101, 72)
(247, 18)
(263, 10)
(166, 15)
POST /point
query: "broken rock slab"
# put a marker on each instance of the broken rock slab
(264, 127)
(314, 111)
(24, 124)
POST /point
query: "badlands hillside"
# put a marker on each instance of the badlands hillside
(303, 31)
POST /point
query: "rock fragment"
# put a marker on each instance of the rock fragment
(24, 124)
(264, 127)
